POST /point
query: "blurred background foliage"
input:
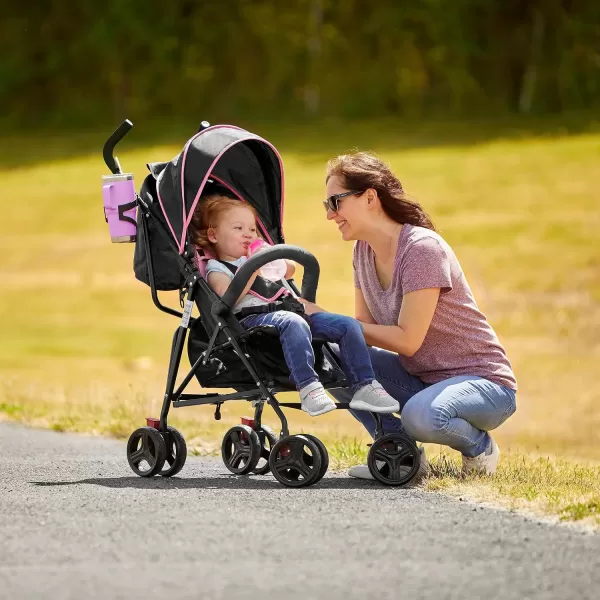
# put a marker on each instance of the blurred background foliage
(84, 63)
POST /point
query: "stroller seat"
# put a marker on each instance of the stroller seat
(262, 345)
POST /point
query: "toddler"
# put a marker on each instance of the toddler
(227, 227)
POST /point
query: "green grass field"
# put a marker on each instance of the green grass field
(84, 349)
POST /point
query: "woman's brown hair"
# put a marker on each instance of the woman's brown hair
(363, 170)
(207, 215)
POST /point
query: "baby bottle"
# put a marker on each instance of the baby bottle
(273, 271)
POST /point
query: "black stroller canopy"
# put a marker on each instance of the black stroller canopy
(224, 157)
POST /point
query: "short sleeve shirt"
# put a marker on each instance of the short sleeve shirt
(459, 341)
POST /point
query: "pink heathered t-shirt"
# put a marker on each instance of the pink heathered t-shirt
(459, 341)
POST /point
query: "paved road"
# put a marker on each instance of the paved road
(75, 523)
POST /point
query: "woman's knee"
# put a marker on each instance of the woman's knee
(423, 421)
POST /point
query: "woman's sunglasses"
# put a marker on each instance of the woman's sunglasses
(333, 202)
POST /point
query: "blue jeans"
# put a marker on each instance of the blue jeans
(457, 412)
(296, 334)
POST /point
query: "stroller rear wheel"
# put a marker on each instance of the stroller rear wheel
(176, 452)
(241, 449)
(296, 461)
(268, 439)
(146, 451)
(394, 459)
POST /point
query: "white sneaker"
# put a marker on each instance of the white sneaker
(374, 398)
(484, 464)
(362, 471)
(315, 400)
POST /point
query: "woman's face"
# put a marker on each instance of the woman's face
(351, 211)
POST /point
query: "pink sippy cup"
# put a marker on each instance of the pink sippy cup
(273, 271)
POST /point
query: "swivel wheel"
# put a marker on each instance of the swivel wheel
(146, 451)
(241, 449)
(394, 459)
(296, 461)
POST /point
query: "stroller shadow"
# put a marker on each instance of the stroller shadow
(223, 482)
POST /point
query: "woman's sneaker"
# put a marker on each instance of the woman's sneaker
(483, 464)
(315, 400)
(374, 398)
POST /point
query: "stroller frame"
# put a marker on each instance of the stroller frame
(159, 440)
(177, 397)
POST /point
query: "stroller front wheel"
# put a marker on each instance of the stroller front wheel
(146, 451)
(296, 461)
(241, 449)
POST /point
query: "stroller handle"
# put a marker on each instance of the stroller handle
(112, 162)
(310, 279)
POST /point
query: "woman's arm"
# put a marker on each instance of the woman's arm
(361, 310)
(415, 317)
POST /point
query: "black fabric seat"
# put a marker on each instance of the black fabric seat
(262, 344)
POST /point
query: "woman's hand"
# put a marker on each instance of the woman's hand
(310, 308)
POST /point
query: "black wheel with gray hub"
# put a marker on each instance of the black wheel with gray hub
(394, 459)
(324, 456)
(241, 449)
(146, 451)
(296, 461)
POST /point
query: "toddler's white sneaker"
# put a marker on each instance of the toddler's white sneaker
(374, 398)
(314, 399)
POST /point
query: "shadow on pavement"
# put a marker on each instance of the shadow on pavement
(221, 482)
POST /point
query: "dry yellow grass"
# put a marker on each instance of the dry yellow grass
(84, 349)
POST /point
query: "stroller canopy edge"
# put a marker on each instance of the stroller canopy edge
(245, 163)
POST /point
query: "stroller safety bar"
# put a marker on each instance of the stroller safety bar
(310, 279)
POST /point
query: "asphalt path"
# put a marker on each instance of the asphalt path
(76, 523)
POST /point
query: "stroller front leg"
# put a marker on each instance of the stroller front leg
(159, 448)
(174, 361)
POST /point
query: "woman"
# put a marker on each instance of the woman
(431, 347)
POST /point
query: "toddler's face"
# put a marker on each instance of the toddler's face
(235, 231)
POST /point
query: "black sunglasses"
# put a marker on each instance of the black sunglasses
(333, 202)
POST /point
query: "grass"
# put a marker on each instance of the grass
(565, 490)
(84, 349)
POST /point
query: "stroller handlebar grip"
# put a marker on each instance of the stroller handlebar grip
(310, 279)
(112, 162)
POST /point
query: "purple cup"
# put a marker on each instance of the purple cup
(118, 194)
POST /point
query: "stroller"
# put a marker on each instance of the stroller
(222, 354)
